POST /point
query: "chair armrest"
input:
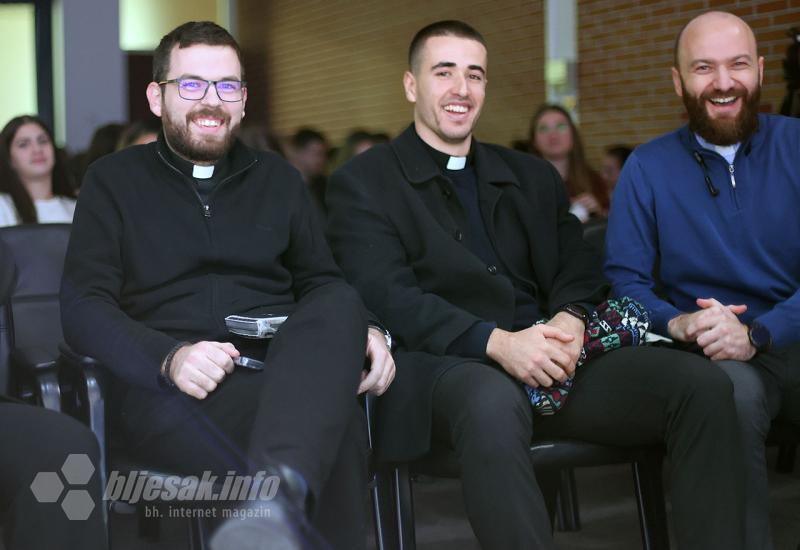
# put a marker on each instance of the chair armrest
(33, 359)
(37, 376)
(87, 381)
(75, 359)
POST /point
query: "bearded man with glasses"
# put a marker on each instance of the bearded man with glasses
(171, 237)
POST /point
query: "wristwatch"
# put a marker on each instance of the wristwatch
(576, 311)
(386, 334)
(759, 336)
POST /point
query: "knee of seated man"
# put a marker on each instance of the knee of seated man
(702, 380)
(73, 438)
(497, 415)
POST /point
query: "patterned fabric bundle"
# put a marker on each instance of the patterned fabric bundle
(614, 324)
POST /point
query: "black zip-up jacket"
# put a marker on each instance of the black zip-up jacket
(149, 265)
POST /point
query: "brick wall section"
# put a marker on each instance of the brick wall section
(625, 54)
(338, 64)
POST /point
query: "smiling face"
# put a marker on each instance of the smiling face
(447, 87)
(201, 131)
(719, 77)
(32, 153)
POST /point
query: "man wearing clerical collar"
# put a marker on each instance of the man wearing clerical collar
(470, 256)
(172, 237)
(714, 204)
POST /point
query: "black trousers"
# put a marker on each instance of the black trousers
(301, 411)
(37, 440)
(628, 397)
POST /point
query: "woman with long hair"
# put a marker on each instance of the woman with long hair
(34, 182)
(554, 137)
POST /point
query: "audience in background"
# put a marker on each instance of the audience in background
(35, 185)
(140, 132)
(104, 141)
(555, 138)
(356, 142)
(259, 138)
(308, 152)
(613, 160)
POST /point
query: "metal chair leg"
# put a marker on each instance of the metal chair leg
(648, 485)
(404, 507)
(567, 507)
(380, 487)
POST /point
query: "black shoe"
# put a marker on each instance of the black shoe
(280, 523)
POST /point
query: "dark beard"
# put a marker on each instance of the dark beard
(723, 131)
(197, 151)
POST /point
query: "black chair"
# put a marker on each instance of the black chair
(31, 315)
(8, 280)
(393, 497)
(86, 386)
(594, 233)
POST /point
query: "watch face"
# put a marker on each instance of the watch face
(760, 336)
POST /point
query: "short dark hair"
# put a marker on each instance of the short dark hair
(191, 34)
(304, 136)
(441, 28)
(620, 152)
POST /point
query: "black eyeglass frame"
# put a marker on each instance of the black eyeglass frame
(208, 86)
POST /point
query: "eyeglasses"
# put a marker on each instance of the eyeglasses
(195, 89)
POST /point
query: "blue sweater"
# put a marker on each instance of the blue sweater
(740, 247)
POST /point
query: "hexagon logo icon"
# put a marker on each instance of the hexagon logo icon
(78, 504)
(47, 487)
(77, 469)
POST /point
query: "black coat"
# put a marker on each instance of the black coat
(148, 266)
(396, 228)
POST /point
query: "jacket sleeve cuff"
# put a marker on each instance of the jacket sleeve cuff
(782, 334)
(660, 317)
(473, 342)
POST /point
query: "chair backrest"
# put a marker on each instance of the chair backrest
(37, 251)
(8, 274)
(595, 235)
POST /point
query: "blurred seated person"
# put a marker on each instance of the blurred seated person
(308, 152)
(104, 141)
(356, 142)
(259, 138)
(613, 161)
(140, 132)
(34, 183)
(555, 138)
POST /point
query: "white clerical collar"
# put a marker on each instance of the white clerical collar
(728, 152)
(456, 163)
(202, 172)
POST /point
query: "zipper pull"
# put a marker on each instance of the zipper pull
(733, 179)
(207, 211)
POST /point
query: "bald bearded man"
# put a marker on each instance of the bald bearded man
(716, 202)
